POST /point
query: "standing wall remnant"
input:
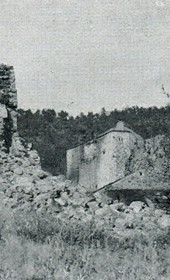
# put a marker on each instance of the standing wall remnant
(8, 106)
(102, 161)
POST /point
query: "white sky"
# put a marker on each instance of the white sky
(82, 55)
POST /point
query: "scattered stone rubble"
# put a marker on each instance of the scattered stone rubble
(25, 186)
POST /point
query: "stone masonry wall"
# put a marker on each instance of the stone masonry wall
(101, 162)
(8, 106)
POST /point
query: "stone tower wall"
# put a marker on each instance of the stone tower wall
(97, 163)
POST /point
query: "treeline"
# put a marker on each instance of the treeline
(52, 134)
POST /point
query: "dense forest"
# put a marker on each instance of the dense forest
(52, 134)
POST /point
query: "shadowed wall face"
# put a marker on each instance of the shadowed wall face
(73, 162)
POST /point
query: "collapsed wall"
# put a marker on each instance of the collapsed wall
(14, 151)
(20, 166)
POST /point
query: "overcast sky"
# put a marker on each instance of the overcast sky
(82, 55)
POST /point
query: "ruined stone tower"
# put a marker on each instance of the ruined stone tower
(94, 164)
(8, 106)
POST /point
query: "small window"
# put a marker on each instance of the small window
(104, 151)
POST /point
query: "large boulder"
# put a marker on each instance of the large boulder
(137, 206)
(34, 157)
(164, 221)
(24, 181)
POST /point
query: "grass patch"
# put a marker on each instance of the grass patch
(34, 247)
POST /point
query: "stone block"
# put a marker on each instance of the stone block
(43, 186)
(3, 111)
(41, 198)
(24, 181)
(18, 171)
(60, 201)
(164, 221)
(137, 206)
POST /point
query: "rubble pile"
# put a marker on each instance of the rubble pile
(24, 186)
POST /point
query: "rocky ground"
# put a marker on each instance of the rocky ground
(25, 187)
(62, 231)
